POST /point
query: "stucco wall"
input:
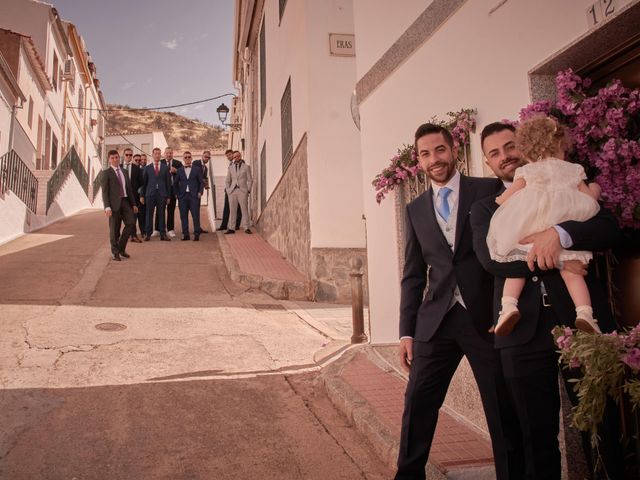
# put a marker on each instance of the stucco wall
(475, 59)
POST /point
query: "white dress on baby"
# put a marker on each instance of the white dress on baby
(550, 197)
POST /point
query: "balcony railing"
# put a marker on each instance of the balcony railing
(17, 177)
(70, 163)
(97, 183)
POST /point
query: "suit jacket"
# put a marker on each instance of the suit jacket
(152, 183)
(598, 233)
(135, 177)
(111, 190)
(194, 182)
(205, 171)
(240, 178)
(421, 313)
(175, 164)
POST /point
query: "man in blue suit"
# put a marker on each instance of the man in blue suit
(188, 187)
(156, 187)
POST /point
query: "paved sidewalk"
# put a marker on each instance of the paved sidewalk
(369, 389)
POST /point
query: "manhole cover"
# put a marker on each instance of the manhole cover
(268, 306)
(110, 327)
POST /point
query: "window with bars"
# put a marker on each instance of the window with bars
(263, 176)
(263, 73)
(286, 126)
(283, 4)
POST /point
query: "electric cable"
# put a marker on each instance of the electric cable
(152, 108)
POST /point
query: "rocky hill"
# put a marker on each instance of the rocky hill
(182, 133)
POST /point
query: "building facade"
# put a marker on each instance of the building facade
(295, 87)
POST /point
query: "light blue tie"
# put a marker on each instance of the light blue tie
(443, 208)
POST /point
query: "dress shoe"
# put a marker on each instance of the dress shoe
(125, 255)
(202, 230)
(220, 229)
(155, 233)
(115, 256)
(147, 238)
(186, 237)
(248, 231)
(229, 232)
(165, 239)
(136, 240)
(196, 238)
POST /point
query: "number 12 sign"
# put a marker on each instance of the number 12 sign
(600, 11)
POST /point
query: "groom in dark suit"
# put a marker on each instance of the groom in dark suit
(188, 187)
(445, 309)
(528, 356)
(119, 206)
(156, 188)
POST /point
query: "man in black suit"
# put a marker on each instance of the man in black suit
(119, 206)
(188, 187)
(528, 357)
(173, 165)
(203, 164)
(452, 317)
(134, 173)
(156, 186)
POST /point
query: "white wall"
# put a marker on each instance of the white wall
(474, 60)
(6, 99)
(335, 189)
(12, 217)
(31, 89)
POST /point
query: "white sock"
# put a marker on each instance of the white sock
(509, 301)
(586, 309)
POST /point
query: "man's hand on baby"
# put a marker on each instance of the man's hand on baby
(575, 266)
(545, 250)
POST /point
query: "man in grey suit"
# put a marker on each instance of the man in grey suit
(119, 206)
(238, 185)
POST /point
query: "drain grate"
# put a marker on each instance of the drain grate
(268, 306)
(110, 327)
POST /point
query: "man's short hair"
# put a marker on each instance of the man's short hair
(113, 152)
(206, 151)
(431, 128)
(237, 151)
(136, 155)
(185, 152)
(495, 127)
(143, 154)
(168, 148)
(128, 149)
(157, 148)
(228, 151)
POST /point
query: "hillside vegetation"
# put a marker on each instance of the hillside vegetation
(182, 133)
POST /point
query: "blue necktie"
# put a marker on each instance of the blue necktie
(443, 208)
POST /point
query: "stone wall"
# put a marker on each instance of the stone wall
(330, 268)
(284, 222)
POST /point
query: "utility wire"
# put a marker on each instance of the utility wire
(152, 108)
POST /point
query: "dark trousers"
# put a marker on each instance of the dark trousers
(155, 203)
(142, 218)
(124, 215)
(226, 212)
(531, 374)
(189, 204)
(171, 210)
(433, 366)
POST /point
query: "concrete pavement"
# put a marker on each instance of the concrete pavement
(161, 366)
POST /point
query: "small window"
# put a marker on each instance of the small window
(54, 71)
(30, 115)
(286, 126)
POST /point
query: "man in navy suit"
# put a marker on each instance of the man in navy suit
(188, 187)
(446, 306)
(156, 187)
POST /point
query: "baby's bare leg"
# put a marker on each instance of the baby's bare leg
(577, 288)
(513, 287)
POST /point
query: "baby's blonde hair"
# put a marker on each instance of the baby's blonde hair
(540, 137)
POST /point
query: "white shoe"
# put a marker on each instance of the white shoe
(155, 233)
(171, 233)
(586, 323)
(509, 317)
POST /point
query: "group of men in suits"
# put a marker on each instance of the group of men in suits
(450, 299)
(152, 188)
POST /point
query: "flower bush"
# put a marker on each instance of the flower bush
(605, 129)
(610, 365)
(404, 164)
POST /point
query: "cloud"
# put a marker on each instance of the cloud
(128, 85)
(184, 110)
(171, 44)
(198, 107)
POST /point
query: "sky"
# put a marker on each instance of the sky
(152, 53)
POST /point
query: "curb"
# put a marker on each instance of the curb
(278, 289)
(382, 439)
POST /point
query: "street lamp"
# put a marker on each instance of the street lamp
(223, 112)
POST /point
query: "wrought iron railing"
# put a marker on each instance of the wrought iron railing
(70, 163)
(97, 183)
(17, 177)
